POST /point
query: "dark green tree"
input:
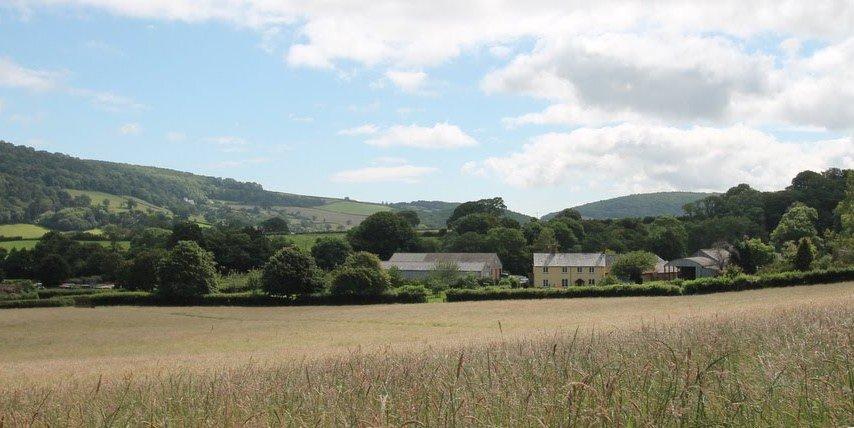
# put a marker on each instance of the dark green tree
(140, 273)
(363, 259)
(410, 216)
(186, 231)
(751, 254)
(493, 206)
(475, 222)
(798, 222)
(804, 255)
(330, 252)
(275, 225)
(290, 271)
(187, 271)
(359, 281)
(383, 234)
(52, 270)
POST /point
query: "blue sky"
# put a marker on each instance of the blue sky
(547, 106)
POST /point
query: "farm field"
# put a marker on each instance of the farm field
(357, 208)
(30, 243)
(306, 240)
(25, 231)
(765, 357)
(117, 203)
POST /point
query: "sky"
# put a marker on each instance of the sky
(548, 104)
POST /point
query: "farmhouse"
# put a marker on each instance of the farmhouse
(421, 265)
(704, 263)
(565, 269)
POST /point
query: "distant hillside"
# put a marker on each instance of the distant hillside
(66, 193)
(638, 205)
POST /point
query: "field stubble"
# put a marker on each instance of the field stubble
(761, 358)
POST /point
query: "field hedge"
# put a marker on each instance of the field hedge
(492, 293)
(48, 293)
(697, 286)
(752, 282)
(37, 303)
(141, 298)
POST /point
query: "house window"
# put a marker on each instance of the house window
(545, 283)
(564, 269)
(564, 282)
(591, 270)
(579, 269)
(591, 281)
(545, 269)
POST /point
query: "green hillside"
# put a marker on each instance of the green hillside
(24, 231)
(638, 205)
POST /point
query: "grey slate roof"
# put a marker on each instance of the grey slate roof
(571, 259)
(426, 266)
(467, 262)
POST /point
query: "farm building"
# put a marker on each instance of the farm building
(704, 263)
(565, 269)
(662, 271)
(421, 265)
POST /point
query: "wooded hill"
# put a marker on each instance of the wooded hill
(638, 205)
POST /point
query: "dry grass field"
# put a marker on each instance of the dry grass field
(767, 357)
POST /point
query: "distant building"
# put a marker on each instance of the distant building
(704, 263)
(662, 271)
(421, 265)
(565, 269)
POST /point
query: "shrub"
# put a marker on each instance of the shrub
(466, 282)
(359, 281)
(48, 293)
(363, 259)
(492, 293)
(330, 252)
(290, 271)
(37, 303)
(413, 292)
(126, 298)
(804, 255)
(186, 271)
(508, 282)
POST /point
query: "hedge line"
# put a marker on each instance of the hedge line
(47, 293)
(652, 289)
(697, 286)
(752, 282)
(37, 303)
(139, 298)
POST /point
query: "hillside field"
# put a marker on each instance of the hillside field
(117, 203)
(351, 207)
(25, 231)
(31, 243)
(306, 240)
(772, 357)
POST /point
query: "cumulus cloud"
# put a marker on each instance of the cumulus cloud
(438, 136)
(641, 158)
(375, 174)
(366, 129)
(130, 129)
(407, 81)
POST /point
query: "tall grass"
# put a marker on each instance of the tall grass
(774, 368)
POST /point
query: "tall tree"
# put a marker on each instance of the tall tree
(383, 234)
(798, 222)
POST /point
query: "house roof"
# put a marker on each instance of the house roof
(718, 254)
(487, 258)
(571, 259)
(704, 262)
(427, 266)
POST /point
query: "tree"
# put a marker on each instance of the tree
(186, 231)
(359, 281)
(569, 213)
(798, 222)
(410, 216)
(546, 241)
(382, 233)
(131, 204)
(512, 249)
(363, 259)
(493, 206)
(804, 255)
(751, 254)
(140, 273)
(475, 222)
(187, 271)
(290, 271)
(52, 270)
(149, 238)
(330, 252)
(443, 276)
(275, 225)
(632, 265)
(667, 238)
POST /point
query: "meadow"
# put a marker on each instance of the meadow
(352, 207)
(25, 231)
(767, 357)
(29, 244)
(116, 203)
(306, 240)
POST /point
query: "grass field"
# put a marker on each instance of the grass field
(306, 240)
(26, 231)
(117, 203)
(773, 357)
(357, 208)
(30, 243)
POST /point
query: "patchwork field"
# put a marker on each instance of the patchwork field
(25, 231)
(117, 203)
(766, 357)
(351, 207)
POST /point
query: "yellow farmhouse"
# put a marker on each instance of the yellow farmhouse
(567, 269)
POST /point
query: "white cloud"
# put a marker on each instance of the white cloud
(366, 129)
(501, 51)
(375, 174)
(130, 129)
(237, 163)
(175, 137)
(300, 119)
(228, 143)
(390, 160)
(439, 136)
(16, 76)
(641, 158)
(407, 81)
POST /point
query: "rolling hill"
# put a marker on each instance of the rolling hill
(638, 205)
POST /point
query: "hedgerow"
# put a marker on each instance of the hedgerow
(492, 293)
(37, 303)
(752, 282)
